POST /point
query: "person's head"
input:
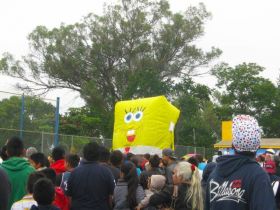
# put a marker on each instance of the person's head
(38, 160)
(246, 135)
(154, 161)
(71, 161)
(58, 153)
(129, 156)
(15, 147)
(136, 160)
(30, 151)
(186, 173)
(50, 174)
(270, 167)
(91, 151)
(116, 158)
(156, 182)
(104, 154)
(193, 160)
(3, 153)
(44, 192)
(147, 156)
(33, 177)
(129, 174)
(219, 153)
(168, 156)
(199, 158)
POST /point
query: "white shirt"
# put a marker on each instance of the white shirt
(25, 203)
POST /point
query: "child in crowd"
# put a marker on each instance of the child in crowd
(71, 162)
(155, 184)
(27, 201)
(29, 151)
(44, 193)
(39, 161)
(60, 199)
(58, 155)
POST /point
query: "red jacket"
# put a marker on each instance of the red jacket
(61, 200)
(58, 166)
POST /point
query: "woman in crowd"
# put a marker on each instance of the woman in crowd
(187, 192)
(128, 193)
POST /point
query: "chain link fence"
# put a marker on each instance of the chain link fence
(44, 142)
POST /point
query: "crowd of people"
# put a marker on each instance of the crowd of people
(103, 180)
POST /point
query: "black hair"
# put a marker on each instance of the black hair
(91, 151)
(72, 160)
(193, 160)
(116, 158)
(3, 153)
(58, 153)
(245, 153)
(33, 177)
(50, 174)
(154, 161)
(104, 154)
(129, 156)
(44, 192)
(135, 160)
(199, 158)
(130, 176)
(220, 153)
(15, 147)
(147, 156)
(40, 158)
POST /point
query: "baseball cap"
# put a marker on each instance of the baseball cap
(270, 151)
(246, 133)
(168, 152)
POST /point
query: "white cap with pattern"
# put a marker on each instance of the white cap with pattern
(246, 133)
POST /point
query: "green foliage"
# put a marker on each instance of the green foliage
(82, 122)
(244, 91)
(137, 48)
(198, 124)
(38, 115)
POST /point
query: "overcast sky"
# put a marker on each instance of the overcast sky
(246, 31)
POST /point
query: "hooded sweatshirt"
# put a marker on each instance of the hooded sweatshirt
(18, 170)
(59, 166)
(239, 183)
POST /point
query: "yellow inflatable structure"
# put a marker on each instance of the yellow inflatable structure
(144, 125)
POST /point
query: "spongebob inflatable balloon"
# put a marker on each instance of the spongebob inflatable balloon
(144, 125)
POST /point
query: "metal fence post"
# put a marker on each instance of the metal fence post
(21, 117)
(42, 142)
(56, 139)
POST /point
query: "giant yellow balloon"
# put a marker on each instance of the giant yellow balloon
(144, 125)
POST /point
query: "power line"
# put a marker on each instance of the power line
(47, 99)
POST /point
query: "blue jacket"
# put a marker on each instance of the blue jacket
(90, 185)
(239, 183)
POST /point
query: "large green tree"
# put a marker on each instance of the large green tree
(242, 90)
(135, 49)
(38, 115)
(198, 123)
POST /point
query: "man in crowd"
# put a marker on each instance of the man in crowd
(5, 190)
(104, 159)
(17, 168)
(169, 161)
(154, 169)
(238, 181)
(91, 185)
(71, 162)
